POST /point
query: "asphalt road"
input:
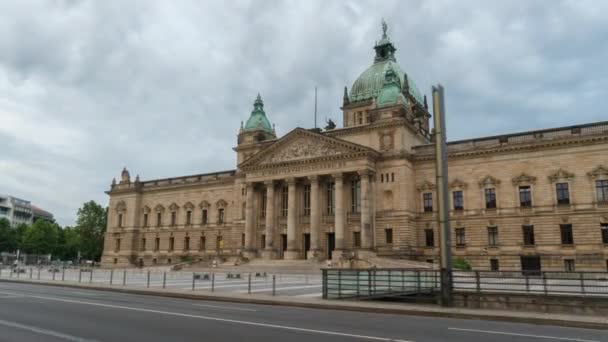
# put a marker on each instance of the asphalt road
(47, 313)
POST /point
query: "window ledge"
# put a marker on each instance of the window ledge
(494, 247)
(567, 245)
(529, 246)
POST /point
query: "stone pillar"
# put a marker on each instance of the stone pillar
(340, 218)
(292, 252)
(250, 250)
(366, 219)
(270, 252)
(315, 219)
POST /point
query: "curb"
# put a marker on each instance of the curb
(330, 305)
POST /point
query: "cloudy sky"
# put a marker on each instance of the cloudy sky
(87, 87)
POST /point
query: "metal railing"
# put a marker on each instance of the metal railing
(546, 283)
(373, 283)
(378, 283)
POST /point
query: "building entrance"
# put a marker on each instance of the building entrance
(331, 244)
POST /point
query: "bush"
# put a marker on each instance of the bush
(186, 258)
(461, 264)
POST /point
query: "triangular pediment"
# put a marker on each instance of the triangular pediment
(302, 145)
(598, 172)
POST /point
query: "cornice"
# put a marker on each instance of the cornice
(518, 148)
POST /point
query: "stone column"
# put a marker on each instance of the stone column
(315, 219)
(340, 218)
(270, 252)
(250, 250)
(292, 252)
(366, 227)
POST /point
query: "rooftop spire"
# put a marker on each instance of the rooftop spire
(384, 48)
(384, 27)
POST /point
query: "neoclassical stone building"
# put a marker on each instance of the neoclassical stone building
(528, 200)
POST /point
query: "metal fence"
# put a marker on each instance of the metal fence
(377, 283)
(306, 285)
(374, 283)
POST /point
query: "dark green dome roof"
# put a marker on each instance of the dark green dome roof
(369, 84)
(258, 119)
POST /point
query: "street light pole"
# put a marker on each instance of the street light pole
(443, 220)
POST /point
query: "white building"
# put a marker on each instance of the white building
(16, 210)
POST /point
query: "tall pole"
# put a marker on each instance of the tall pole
(443, 220)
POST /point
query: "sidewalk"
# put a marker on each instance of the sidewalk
(577, 321)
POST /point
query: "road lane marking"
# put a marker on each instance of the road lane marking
(43, 331)
(217, 319)
(523, 335)
(224, 307)
(11, 296)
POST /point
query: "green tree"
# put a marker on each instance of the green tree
(8, 241)
(20, 234)
(40, 238)
(69, 243)
(91, 225)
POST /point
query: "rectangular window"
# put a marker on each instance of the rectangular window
(566, 234)
(119, 220)
(307, 200)
(604, 228)
(525, 196)
(388, 235)
(188, 217)
(460, 238)
(159, 219)
(562, 192)
(382, 178)
(143, 244)
(494, 265)
(243, 240)
(569, 265)
(171, 243)
(458, 200)
(357, 239)
(219, 242)
(490, 198)
(187, 243)
(145, 220)
(355, 195)
(157, 244)
(493, 236)
(601, 187)
(117, 246)
(263, 204)
(173, 218)
(263, 241)
(204, 216)
(220, 215)
(331, 186)
(528, 232)
(392, 177)
(202, 242)
(427, 199)
(284, 201)
(429, 237)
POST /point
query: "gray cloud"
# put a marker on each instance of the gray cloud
(87, 87)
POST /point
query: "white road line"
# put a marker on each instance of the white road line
(523, 335)
(224, 307)
(217, 319)
(44, 331)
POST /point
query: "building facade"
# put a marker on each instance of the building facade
(531, 200)
(15, 210)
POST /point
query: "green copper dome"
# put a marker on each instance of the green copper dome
(391, 91)
(369, 84)
(258, 119)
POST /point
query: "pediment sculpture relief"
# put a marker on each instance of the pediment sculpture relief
(303, 148)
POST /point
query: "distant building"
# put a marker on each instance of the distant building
(41, 214)
(19, 211)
